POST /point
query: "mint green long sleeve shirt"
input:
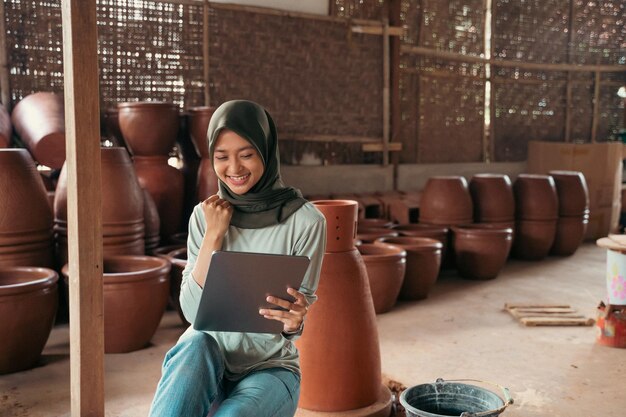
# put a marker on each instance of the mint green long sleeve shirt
(303, 233)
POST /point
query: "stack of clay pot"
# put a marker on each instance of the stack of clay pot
(150, 130)
(423, 262)
(536, 211)
(339, 350)
(481, 250)
(136, 290)
(26, 224)
(28, 304)
(122, 207)
(39, 120)
(492, 196)
(573, 196)
(446, 201)
(6, 128)
(386, 266)
(199, 118)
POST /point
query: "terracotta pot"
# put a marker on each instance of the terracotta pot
(535, 197)
(533, 239)
(166, 186)
(136, 289)
(149, 127)
(386, 266)
(112, 125)
(207, 180)
(6, 128)
(25, 214)
(151, 221)
(492, 195)
(369, 223)
(39, 121)
(199, 118)
(341, 221)
(571, 189)
(570, 232)
(178, 258)
(481, 251)
(446, 200)
(423, 261)
(28, 304)
(369, 235)
(432, 231)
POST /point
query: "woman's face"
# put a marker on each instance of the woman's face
(236, 162)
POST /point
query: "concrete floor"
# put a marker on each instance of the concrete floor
(460, 331)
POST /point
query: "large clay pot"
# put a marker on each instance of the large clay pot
(481, 252)
(199, 118)
(112, 125)
(423, 261)
(28, 304)
(386, 266)
(369, 223)
(369, 235)
(152, 222)
(571, 188)
(136, 289)
(533, 238)
(166, 186)
(6, 128)
(492, 195)
(149, 127)
(39, 120)
(178, 259)
(446, 200)
(25, 214)
(207, 180)
(570, 232)
(535, 197)
(338, 377)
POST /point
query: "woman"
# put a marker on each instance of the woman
(248, 374)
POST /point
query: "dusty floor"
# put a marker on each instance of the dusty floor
(461, 331)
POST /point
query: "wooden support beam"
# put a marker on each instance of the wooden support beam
(84, 208)
(5, 86)
(386, 103)
(377, 30)
(568, 88)
(330, 138)
(205, 53)
(596, 108)
(380, 147)
(394, 14)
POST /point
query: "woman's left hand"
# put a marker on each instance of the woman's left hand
(293, 315)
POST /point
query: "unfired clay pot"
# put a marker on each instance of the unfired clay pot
(136, 289)
(6, 128)
(151, 221)
(341, 221)
(423, 261)
(149, 127)
(571, 188)
(28, 304)
(25, 214)
(386, 266)
(492, 195)
(481, 252)
(535, 197)
(199, 118)
(39, 121)
(570, 232)
(533, 238)
(207, 180)
(446, 200)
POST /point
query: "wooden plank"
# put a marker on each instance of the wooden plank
(331, 138)
(380, 147)
(547, 310)
(395, 19)
(514, 305)
(205, 53)
(84, 209)
(550, 321)
(386, 103)
(5, 85)
(377, 30)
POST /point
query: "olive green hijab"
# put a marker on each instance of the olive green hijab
(269, 202)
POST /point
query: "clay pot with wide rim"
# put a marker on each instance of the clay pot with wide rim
(199, 118)
(28, 304)
(386, 266)
(570, 232)
(492, 195)
(341, 223)
(136, 289)
(446, 200)
(572, 192)
(178, 259)
(207, 180)
(149, 128)
(481, 251)
(6, 128)
(533, 239)
(423, 261)
(535, 197)
(39, 121)
(369, 235)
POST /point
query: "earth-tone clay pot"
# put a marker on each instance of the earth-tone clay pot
(25, 214)
(369, 223)
(39, 121)
(492, 195)
(446, 200)
(189, 168)
(535, 197)
(136, 289)
(178, 259)
(6, 128)
(341, 220)
(432, 231)
(112, 125)
(533, 239)
(199, 118)
(151, 221)
(28, 304)
(369, 235)
(149, 127)
(481, 252)
(570, 232)
(423, 261)
(207, 180)
(386, 265)
(571, 188)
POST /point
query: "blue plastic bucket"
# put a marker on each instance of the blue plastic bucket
(453, 398)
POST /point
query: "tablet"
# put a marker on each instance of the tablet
(236, 286)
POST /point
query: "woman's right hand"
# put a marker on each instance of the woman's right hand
(217, 214)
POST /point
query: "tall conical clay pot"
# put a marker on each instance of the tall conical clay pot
(149, 127)
(481, 251)
(386, 266)
(492, 195)
(207, 180)
(6, 128)
(136, 289)
(28, 304)
(25, 214)
(339, 350)
(39, 121)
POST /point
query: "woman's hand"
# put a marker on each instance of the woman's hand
(293, 315)
(217, 213)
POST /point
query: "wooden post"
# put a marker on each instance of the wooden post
(492, 94)
(84, 208)
(5, 86)
(568, 89)
(396, 106)
(487, 80)
(205, 53)
(418, 82)
(386, 92)
(596, 107)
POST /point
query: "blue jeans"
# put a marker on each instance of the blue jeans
(192, 383)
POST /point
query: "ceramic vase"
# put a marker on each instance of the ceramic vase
(492, 195)
(481, 251)
(149, 128)
(446, 200)
(6, 128)
(386, 266)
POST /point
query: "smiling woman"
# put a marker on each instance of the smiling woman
(237, 162)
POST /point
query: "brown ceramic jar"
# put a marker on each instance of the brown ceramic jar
(199, 118)
(149, 127)
(533, 238)
(535, 197)
(446, 200)
(570, 232)
(207, 180)
(571, 188)
(492, 195)
(28, 304)
(6, 128)
(386, 266)
(481, 251)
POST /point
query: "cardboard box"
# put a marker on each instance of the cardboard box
(600, 163)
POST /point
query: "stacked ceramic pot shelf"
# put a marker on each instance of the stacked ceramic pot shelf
(339, 351)
(536, 211)
(150, 130)
(199, 118)
(573, 197)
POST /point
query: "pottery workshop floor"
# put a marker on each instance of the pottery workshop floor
(460, 331)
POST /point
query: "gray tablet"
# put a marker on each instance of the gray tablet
(236, 286)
